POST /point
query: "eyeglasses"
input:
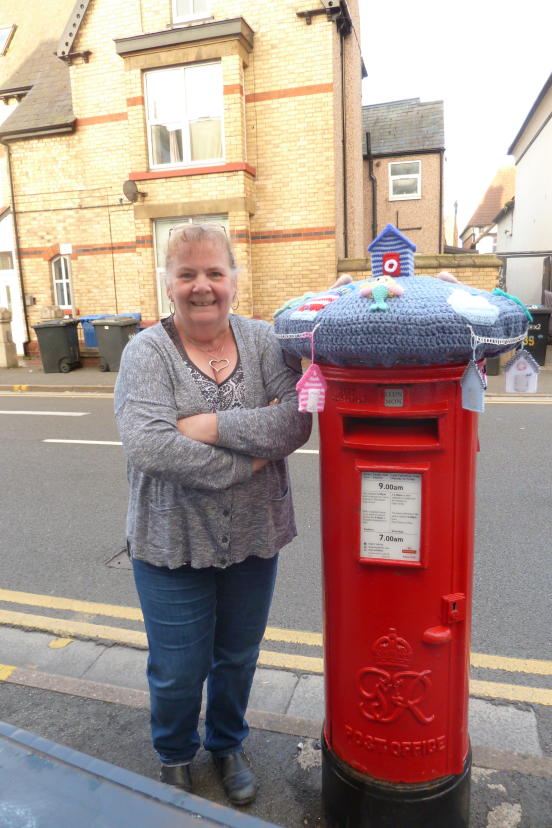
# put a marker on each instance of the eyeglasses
(187, 224)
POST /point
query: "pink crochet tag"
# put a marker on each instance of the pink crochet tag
(311, 390)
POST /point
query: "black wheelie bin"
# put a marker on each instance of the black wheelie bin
(58, 344)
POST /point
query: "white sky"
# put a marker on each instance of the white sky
(487, 61)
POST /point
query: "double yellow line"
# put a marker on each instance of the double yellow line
(75, 628)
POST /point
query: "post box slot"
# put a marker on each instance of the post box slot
(389, 432)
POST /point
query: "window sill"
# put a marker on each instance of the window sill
(164, 172)
(185, 21)
(187, 165)
(405, 198)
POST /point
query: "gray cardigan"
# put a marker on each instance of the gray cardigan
(190, 503)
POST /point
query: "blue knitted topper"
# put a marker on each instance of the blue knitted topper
(397, 318)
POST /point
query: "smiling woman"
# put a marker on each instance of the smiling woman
(209, 500)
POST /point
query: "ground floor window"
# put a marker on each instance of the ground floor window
(61, 273)
(161, 235)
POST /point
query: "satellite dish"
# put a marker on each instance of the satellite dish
(131, 191)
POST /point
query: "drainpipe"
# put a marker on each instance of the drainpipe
(16, 245)
(441, 173)
(343, 147)
(374, 188)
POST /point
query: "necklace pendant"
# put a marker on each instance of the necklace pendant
(219, 364)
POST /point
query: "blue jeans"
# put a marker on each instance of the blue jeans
(202, 623)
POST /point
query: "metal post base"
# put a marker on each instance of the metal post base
(353, 800)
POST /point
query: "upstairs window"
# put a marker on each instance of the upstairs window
(184, 111)
(184, 10)
(6, 33)
(62, 282)
(405, 180)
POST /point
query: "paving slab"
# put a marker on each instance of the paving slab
(122, 666)
(503, 727)
(272, 690)
(307, 701)
(32, 650)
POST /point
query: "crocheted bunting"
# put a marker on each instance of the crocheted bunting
(421, 327)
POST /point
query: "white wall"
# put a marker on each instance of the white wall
(532, 221)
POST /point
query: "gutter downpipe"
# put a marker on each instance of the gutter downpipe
(374, 187)
(344, 148)
(441, 174)
(16, 245)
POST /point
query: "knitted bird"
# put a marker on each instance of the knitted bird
(380, 289)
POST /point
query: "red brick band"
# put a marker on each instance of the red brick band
(233, 89)
(293, 92)
(102, 119)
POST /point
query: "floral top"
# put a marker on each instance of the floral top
(231, 391)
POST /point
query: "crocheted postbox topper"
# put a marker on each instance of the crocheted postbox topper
(392, 253)
(397, 318)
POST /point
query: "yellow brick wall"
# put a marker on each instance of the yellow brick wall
(419, 219)
(282, 122)
(478, 271)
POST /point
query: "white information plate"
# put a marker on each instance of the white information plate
(391, 516)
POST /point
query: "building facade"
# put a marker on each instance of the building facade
(185, 110)
(524, 226)
(404, 144)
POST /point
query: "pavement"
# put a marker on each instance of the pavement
(91, 695)
(29, 376)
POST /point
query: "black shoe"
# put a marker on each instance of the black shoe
(237, 778)
(177, 775)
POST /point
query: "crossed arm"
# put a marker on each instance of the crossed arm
(204, 429)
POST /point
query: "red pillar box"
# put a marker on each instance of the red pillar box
(397, 455)
(398, 443)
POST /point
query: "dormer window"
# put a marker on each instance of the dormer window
(6, 34)
(186, 10)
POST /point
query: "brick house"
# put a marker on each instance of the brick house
(158, 111)
(480, 231)
(403, 149)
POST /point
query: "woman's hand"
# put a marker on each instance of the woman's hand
(259, 463)
(200, 427)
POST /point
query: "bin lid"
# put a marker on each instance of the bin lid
(538, 309)
(115, 320)
(55, 323)
(401, 319)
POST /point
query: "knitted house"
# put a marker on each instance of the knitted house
(392, 253)
(311, 389)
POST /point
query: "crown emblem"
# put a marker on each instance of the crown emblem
(391, 649)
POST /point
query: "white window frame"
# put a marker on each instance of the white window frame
(186, 18)
(160, 252)
(65, 282)
(393, 178)
(185, 122)
(6, 34)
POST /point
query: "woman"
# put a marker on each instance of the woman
(209, 501)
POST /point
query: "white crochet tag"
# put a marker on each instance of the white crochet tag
(473, 388)
(521, 373)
